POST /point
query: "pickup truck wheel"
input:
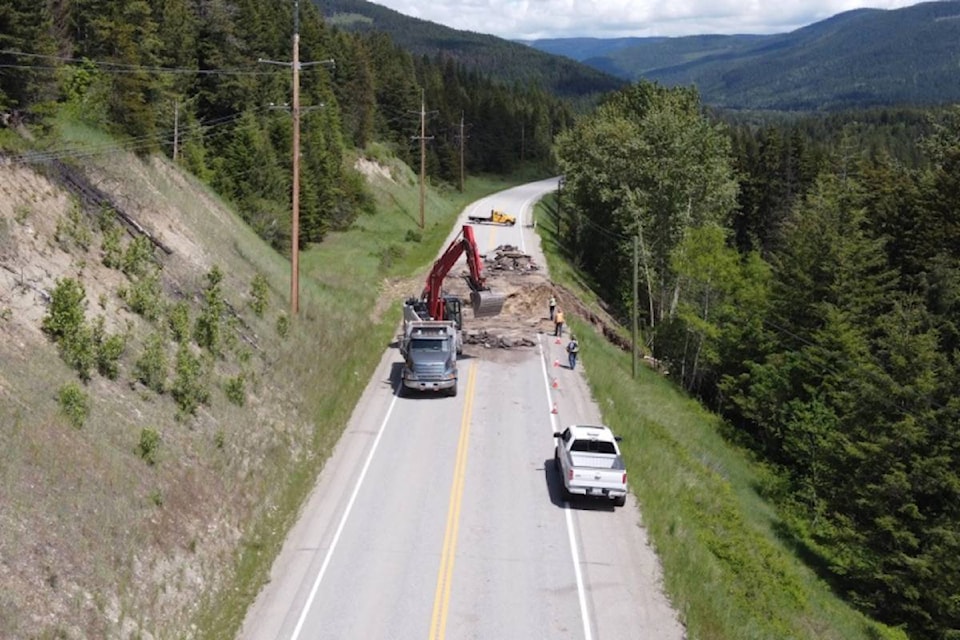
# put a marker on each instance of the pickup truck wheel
(453, 391)
(619, 502)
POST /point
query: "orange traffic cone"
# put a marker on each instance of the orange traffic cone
(557, 341)
(554, 410)
(556, 363)
(556, 385)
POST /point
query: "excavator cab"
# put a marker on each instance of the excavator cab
(452, 310)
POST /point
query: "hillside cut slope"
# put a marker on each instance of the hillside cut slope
(120, 521)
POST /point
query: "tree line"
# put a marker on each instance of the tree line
(139, 68)
(804, 280)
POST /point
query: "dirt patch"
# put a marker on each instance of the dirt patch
(526, 312)
(527, 290)
(373, 170)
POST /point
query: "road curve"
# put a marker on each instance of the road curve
(442, 517)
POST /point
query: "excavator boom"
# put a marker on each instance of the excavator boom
(484, 302)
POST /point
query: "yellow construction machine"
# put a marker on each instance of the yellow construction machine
(496, 217)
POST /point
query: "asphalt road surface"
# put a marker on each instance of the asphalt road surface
(441, 517)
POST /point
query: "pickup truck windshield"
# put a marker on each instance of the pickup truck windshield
(593, 446)
(423, 344)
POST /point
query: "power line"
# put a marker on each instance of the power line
(132, 144)
(118, 67)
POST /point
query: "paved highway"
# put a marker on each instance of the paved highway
(441, 517)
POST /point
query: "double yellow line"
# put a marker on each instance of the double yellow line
(441, 600)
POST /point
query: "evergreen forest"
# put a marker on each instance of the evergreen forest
(210, 82)
(800, 276)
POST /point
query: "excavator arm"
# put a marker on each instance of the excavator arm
(484, 302)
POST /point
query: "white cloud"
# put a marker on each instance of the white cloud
(529, 19)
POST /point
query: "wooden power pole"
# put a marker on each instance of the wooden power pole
(461, 151)
(295, 199)
(423, 154)
(295, 144)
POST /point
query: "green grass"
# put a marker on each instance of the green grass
(727, 568)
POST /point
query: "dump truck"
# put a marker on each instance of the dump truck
(429, 349)
(496, 217)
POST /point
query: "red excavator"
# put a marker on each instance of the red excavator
(434, 304)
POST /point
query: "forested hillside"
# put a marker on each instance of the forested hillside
(507, 61)
(800, 278)
(173, 71)
(857, 59)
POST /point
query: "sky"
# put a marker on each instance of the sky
(535, 19)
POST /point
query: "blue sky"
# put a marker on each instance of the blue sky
(530, 19)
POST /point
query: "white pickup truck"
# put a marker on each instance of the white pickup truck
(589, 462)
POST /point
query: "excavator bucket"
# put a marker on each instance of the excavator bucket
(486, 303)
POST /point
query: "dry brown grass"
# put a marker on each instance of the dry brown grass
(94, 542)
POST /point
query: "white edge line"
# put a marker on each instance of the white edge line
(343, 522)
(571, 534)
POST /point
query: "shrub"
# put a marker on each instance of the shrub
(188, 389)
(74, 404)
(66, 312)
(390, 255)
(413, 236)
(112, 247)
(259, 292)
(283, 325)
(235, 390)
(151, 366)
(149, 446)
(64, 323)
(206, 330)
(109, 350)
(73, 230)
(145, 296)
(21, 212)
(137, 257)
(179, 321)
(79, 351)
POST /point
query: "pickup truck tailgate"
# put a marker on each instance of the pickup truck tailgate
(597, 474)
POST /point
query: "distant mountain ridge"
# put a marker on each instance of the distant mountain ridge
(503, 60)
(856, 59)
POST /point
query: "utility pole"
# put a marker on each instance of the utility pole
(295, 196)
(176, 129)
(636, 261)
(295, 199)
(423, 153)
(461, 151)
(560, 184)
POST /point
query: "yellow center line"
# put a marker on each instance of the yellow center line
(441, 599)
